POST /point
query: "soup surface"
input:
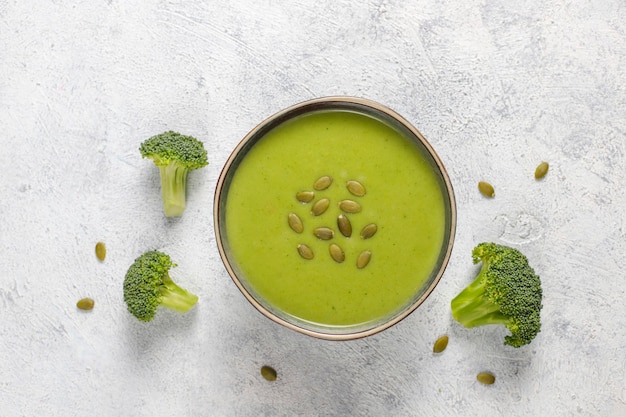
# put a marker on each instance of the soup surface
(403, 199)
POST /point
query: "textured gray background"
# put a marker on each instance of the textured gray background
(495, 86)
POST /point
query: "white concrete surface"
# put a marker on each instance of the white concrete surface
(496, 87)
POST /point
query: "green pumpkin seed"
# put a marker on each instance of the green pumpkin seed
(269, 373)
(305, 251)
(486, 378)
(295, 222)
(324, 233)
(349, 206)
(336, 253)
(369, 231)
(363, 259)
(101, 251)
(541, 170)
(322, 183)
(355, 188)
(85, 304)
(440, 344)
(305, 196)
(344, 225)
(486, 189)
(320, 206)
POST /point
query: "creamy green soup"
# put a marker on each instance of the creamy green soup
(403, 198)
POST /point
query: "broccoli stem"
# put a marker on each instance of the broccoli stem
(175, 297)
(173, 188)
(472, 308)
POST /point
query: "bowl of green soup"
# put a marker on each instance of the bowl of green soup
(335, 217)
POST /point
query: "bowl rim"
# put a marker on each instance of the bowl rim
(309, 106)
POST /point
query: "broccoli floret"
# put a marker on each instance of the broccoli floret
(506, 291)
(175, 155)
(148, 285)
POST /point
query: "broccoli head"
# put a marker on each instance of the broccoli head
(148, 285)
(506, 291)
(175, 155)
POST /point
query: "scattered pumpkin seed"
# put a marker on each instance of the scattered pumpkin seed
(269, 373)
(363, 259)
(322, 183)
(324, 233)
(349, 206)
(305, 251)
(101, 251)
(305, 196)
(369, 231)
(541, 170)
(85, 303)
(440, 344)
(320, 206)
(355, 188)
(486, 189)
(295, 222)
(486, 378)
(344, 225)
(336, 253)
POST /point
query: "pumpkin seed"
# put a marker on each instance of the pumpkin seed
(486, 378)
(269, 373)
(541, 170)
(344, 225)
(101, 251)
(486, 189)
(305, 251)
(305, 196)
(324, 233)
(85, 304)
(355, 188)
(295, 222)
(349, 206)
(369, 231)
(322, 183)
(336, 253)
(363, 259)
(440, 344)
(320, 206)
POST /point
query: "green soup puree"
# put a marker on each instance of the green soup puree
(403, 198)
